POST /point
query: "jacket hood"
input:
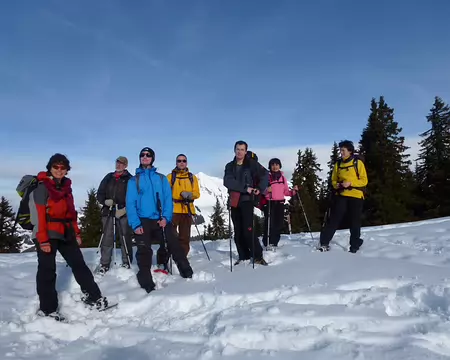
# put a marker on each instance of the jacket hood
(178, 171)
(140, 170)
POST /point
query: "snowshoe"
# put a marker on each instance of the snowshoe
(162, 268)
(54, 315)
(125, 265)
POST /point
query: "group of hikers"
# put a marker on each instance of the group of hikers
(154, 208)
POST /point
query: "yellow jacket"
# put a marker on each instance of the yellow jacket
(346, 172)
(183, 183)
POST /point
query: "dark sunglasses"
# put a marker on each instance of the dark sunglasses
(59, 167)
(181, 160)
(146, 155)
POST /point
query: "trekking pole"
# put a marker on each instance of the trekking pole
(268, 222)
(103, 230)
(253, 229)
(158, 203)
(229, 230)
(193, 220)
(304, 213)
(114, 239)
(125, 243)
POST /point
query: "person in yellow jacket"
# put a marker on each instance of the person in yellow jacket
(349, 179)
(185, 190)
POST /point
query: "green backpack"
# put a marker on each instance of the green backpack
(26, 186)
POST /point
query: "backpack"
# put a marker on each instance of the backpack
(356, 158)
(174, 178)
(26, 186)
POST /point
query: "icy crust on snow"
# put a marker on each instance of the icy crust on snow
(389, 301)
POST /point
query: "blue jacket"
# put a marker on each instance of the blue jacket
(144, 205)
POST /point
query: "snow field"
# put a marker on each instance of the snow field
(389, 301)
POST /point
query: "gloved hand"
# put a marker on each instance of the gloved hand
(109, 202)
(120, 212)
(78, 237)
(139, 230)
(186, 195)
(45, 247)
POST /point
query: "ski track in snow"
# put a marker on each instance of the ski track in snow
(389, 301)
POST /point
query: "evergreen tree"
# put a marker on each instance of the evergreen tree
(91, 221)
(306, 177)
(9, 241)
(433, 168)
(259, 225)
(326, 187)
(388, 198)
(218, 229)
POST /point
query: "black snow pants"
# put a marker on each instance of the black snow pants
(276, 222)
(144, 252)
(46, 273)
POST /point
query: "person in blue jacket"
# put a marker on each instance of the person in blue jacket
(150, 207)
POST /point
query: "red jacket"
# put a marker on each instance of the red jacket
(52, 209)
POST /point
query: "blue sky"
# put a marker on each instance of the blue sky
(95, 80)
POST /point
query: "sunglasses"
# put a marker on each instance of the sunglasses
(181, 160)
(146, 155)
(59, 167)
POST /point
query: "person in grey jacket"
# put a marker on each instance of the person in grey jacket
(112, 195)
(245, 178)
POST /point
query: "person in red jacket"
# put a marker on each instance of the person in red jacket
(52, 212)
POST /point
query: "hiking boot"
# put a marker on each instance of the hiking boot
(186, 271)
(103, 269)
(323, 248)
(261, 262)
(54, 315)
(100, 303)
(353, 250)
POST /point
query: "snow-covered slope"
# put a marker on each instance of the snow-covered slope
(390, 301)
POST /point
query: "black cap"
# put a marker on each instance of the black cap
(149, 150)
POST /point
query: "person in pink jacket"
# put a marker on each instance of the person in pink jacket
(274, 196)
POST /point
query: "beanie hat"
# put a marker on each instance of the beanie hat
(58, 159)
(123, 160)
(274, 161)
(149, 150)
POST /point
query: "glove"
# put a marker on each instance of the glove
(139, 230)
(78, 237)
(109, 202)
(186, 195)
(120, 212)
(46, 247)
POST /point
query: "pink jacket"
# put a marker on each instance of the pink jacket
(280, 188)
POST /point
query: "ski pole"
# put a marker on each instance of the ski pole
(158, 202)
(304, 213)
(103, 230)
